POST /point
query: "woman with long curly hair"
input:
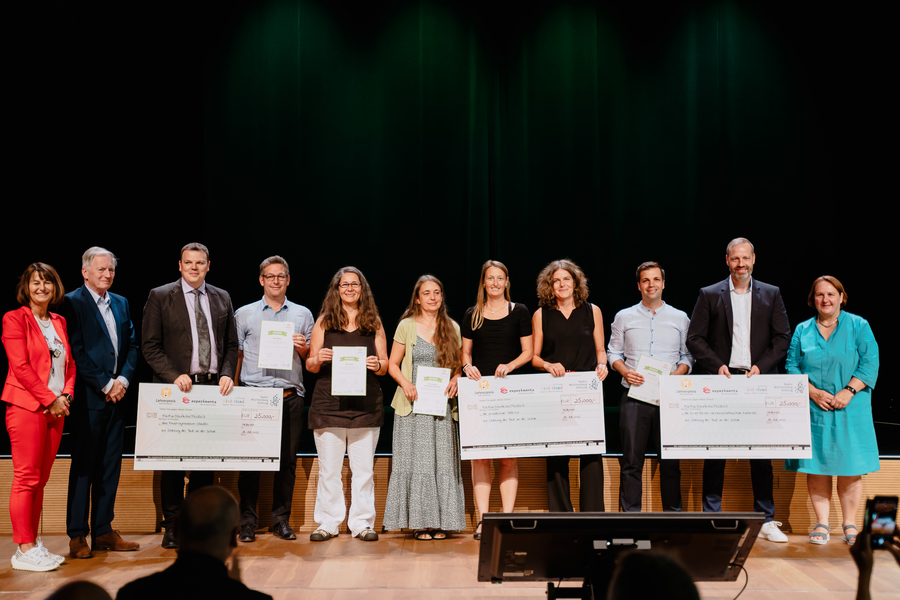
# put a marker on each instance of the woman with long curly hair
(568, 336)
(496, 340)
(348, 317)
(425, 492)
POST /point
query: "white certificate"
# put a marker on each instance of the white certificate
(348, 371)
(276, 345)
(651, 369)
(431, 382)
(712, 416)
(531, 415)
(202, 430)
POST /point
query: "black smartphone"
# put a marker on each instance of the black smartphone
(881, 520)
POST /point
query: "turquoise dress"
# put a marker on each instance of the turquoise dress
(843, 441)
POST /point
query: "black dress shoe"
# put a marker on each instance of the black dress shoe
(248, 533)
(169, 541)
(284, 531)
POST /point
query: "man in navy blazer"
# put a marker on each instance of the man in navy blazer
(102, 339)
(187, 347)
(740, 327)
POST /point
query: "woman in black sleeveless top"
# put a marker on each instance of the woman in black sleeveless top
(496, 340)
(568, 336)
(352, 423)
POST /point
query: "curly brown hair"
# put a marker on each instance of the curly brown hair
(546, 297)
(332, 313)
(446, 341)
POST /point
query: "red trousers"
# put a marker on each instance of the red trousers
(34, 438)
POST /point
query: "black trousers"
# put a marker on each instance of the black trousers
(293, 422)
(94, 473)
(591, 490)
(760, 478)
(638, 424)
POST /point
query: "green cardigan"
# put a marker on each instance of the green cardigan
(406, 335)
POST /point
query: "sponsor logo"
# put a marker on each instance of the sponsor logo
(186, 400)
(686, 383)
(165, 392)
(706, 390)
(483, 384)
(503, 390)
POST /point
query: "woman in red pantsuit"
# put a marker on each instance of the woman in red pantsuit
(38, 392)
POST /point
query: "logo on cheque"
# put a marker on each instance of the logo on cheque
(686, 383)
(186, 400)
(503, 390)
(165, 392)
(483, 384)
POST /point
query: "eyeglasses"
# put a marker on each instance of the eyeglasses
(355, 285)
(280, 277)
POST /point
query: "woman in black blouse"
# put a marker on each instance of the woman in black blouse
(568, 336)
(496, 340)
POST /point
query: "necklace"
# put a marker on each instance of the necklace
(833, 323)
(41, 322)
(488, 306)
(430, 328)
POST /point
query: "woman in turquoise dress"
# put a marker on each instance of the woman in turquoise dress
(838, 353)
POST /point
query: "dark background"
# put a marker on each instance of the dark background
(413, 137)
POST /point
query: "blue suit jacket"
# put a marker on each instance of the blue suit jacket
(95, 358)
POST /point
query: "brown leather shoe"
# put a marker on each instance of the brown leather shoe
(113, 541)
(78, 548)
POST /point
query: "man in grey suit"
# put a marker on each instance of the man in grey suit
(188, 338)
(740, 327)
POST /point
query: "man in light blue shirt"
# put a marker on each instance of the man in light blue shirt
(274, 277)
(653, 328)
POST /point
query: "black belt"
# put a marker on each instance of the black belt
(734, 371)
(205, 378)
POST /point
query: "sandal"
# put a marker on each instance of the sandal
(823, 537)
(477, 534)
(850, 538)
(437, 534)
(422, 535)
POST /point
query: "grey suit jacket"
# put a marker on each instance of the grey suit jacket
(166, 332)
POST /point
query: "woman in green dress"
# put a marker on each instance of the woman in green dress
(838, 353)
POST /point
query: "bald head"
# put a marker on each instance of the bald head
(208, 522)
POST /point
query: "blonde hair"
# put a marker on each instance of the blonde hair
(478, 313)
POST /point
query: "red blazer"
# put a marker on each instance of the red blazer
(29, 360)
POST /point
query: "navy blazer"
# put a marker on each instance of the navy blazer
(709, 336)
(167, 337)
(92, 349)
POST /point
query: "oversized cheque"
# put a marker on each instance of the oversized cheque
(531, 415)
(712, 416)
(204, 430)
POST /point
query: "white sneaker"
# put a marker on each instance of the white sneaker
(33, 560)
(56, 557)
(771, 532)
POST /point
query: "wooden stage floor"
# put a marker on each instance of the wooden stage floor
(400, 568)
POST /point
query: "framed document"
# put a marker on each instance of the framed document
(348, 371)
(202, 430)
(431, 382)
(712, 416)
(276, 345)
(531, 415)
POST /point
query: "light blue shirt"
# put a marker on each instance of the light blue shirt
(190, 299)
(105, 309)
(248, 320)
(636, 330)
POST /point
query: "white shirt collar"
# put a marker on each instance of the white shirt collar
(731, 285)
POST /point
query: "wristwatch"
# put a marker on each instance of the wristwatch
(851, 390)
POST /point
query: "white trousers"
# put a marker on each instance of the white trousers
(359, 444)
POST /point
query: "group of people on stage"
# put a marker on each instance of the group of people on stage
(192, 336)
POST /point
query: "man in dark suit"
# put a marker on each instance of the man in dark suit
(208, 537)
(105, 353)
(188, 338)
(740, 327)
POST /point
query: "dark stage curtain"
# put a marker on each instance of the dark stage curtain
(413, 137)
